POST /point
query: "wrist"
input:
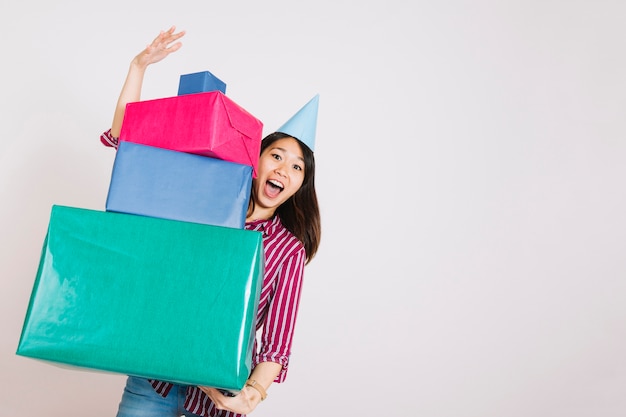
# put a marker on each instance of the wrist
(140, 62)
(257, 387)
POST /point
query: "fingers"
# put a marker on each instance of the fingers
(215, 396)
(164, 44)
(165, 39)
(169, 36)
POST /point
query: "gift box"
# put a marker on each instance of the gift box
(208, 124)
(174, 185)
(155, 298)
(200, 82)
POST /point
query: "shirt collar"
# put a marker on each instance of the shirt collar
(267, 226)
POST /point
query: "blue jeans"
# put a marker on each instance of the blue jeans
(141, 400)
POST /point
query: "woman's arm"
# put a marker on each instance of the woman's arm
(160, 47)
(249, 397)
(276, 339)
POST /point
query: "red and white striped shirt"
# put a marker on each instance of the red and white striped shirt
(278, 306)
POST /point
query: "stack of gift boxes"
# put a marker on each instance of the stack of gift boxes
(165, 282)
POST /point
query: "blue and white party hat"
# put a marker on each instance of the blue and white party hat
(303, 124)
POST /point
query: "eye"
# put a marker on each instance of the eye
(276, 156)
(297, 167)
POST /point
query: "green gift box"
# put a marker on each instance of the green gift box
(143, 296)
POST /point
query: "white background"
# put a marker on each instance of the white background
(471, 175)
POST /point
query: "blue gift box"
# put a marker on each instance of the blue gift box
(157, 182)
(200, 82)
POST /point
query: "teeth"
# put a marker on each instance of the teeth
(277, 184)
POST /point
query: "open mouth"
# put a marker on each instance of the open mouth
(273, 188)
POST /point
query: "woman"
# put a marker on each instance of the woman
(283, 206)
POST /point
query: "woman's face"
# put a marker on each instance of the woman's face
(280, 175)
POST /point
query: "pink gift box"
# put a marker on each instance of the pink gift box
(208, 124)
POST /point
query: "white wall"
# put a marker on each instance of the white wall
(470, 171)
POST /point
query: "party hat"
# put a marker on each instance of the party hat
(302, 125)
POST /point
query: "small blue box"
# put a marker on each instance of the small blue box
(157, 182)
(200, 82)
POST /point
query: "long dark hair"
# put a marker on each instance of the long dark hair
(300, 214)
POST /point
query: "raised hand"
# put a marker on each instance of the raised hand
(163, 45)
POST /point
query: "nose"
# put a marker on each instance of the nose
(280, 170)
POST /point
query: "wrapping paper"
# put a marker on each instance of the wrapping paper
(154, 298)
(208, 124)
(175, 185)
(200, 82)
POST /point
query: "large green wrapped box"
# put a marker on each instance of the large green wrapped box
(149, 297)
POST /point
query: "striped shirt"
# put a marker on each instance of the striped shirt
(278, 305)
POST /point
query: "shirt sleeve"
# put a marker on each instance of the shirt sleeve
(277, 333)
(108, 140)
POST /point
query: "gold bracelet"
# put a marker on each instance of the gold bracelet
(252, 383)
